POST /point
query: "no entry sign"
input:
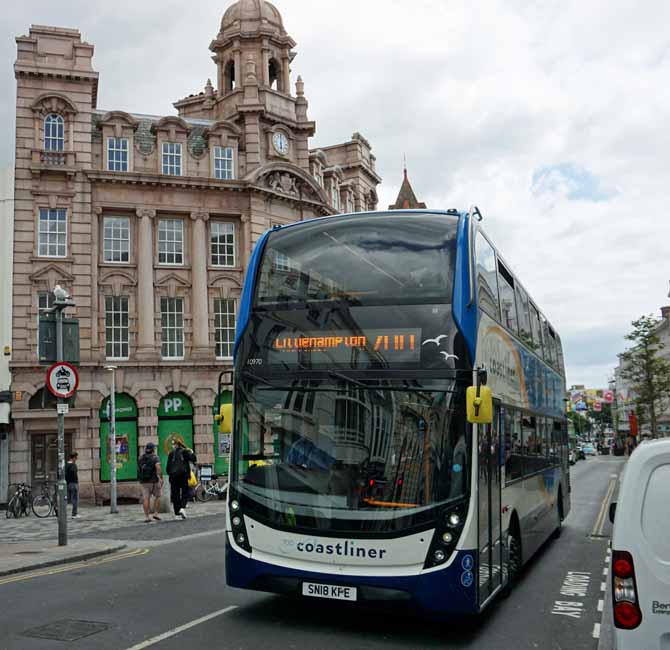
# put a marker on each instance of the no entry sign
(62, 379)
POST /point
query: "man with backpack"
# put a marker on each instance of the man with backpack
(151, 480)
(178, 468)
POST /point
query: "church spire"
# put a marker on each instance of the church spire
(406, 198)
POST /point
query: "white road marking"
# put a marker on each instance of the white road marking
(603, 586)
(606, 571)
(601, 605)
(596, 630)
(181, 628)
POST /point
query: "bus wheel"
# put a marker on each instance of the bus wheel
(513, 561)
(559, 511)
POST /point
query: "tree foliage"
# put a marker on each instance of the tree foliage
(646, 370)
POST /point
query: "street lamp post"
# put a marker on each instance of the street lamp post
(111, 444)
(61, 302)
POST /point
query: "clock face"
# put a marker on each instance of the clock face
(280, 143)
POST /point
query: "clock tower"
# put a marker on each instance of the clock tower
(253, 55)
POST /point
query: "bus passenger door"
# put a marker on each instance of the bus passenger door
(489, 498)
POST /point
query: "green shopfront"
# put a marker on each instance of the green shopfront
(175, 422)
(126, 439)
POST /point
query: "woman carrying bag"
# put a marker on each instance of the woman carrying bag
(179, 470)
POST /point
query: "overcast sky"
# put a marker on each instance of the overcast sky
(553, 117)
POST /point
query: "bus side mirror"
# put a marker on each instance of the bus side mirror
(224, 418)
(479, 405)
(612, 511)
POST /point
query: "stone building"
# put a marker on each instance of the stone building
(6, 220)
(149, 223)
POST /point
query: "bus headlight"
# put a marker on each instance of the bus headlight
(237, 521)
(241, 539)
(235, 505)
(439, 556)
(447, 537)
(453, 519)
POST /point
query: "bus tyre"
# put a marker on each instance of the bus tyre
(513, 562)
(559, 513)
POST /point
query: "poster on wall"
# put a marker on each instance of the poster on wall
(126, 451)
(224, 444)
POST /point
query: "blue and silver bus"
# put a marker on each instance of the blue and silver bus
(358, 472)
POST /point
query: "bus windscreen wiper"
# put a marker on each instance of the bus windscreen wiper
(339, 375)
(256, 378)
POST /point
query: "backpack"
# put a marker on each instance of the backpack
(148, 469)
(177, 465)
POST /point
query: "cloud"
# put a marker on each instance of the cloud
(572, 181)
(551, 117)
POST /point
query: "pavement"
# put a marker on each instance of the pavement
(30, 556)
(170, 594)
(29, 543)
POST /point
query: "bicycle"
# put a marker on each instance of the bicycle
(44, 504)
(210, 490)
(18, 504)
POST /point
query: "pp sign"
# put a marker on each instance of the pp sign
(173, 405)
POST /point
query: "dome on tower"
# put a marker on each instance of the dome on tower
(249, 16)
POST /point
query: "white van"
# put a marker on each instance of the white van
(640, 567)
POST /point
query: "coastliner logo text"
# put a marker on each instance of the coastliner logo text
(341, 549)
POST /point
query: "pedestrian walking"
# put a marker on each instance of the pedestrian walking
(72, 480)
(179, 470)
(151, 481)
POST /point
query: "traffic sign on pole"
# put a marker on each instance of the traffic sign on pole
(62, 379)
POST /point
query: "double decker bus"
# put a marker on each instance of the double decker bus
(364, 467)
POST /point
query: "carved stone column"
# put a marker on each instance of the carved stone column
(199, 298)
(146, 337)
(248, 244)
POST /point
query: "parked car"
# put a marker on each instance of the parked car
(579, 449)
(640, 565)
(604, 447)
(589, 449)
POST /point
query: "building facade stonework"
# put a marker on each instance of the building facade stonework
(149, 223)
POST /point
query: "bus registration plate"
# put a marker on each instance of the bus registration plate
(336, 592)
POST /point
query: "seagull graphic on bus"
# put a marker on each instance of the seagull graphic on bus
(437, 341)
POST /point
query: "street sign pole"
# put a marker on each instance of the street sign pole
(62, 512)
(113, 508)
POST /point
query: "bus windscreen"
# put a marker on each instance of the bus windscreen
(366, 260)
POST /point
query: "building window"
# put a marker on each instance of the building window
(53, 232)
(335, 196)
(224, 326)
(222, 238)
(117, 154)
(170, 241)
(172, 158)
(116, 239)
(54, 133)
(172, 327)
(223, 163)
(45, 301)
(116, 327)
(350, 202)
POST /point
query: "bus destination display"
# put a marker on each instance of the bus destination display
(385, 346)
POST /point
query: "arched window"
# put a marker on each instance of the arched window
(274, 75)
(54, 133)
(229, 77)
